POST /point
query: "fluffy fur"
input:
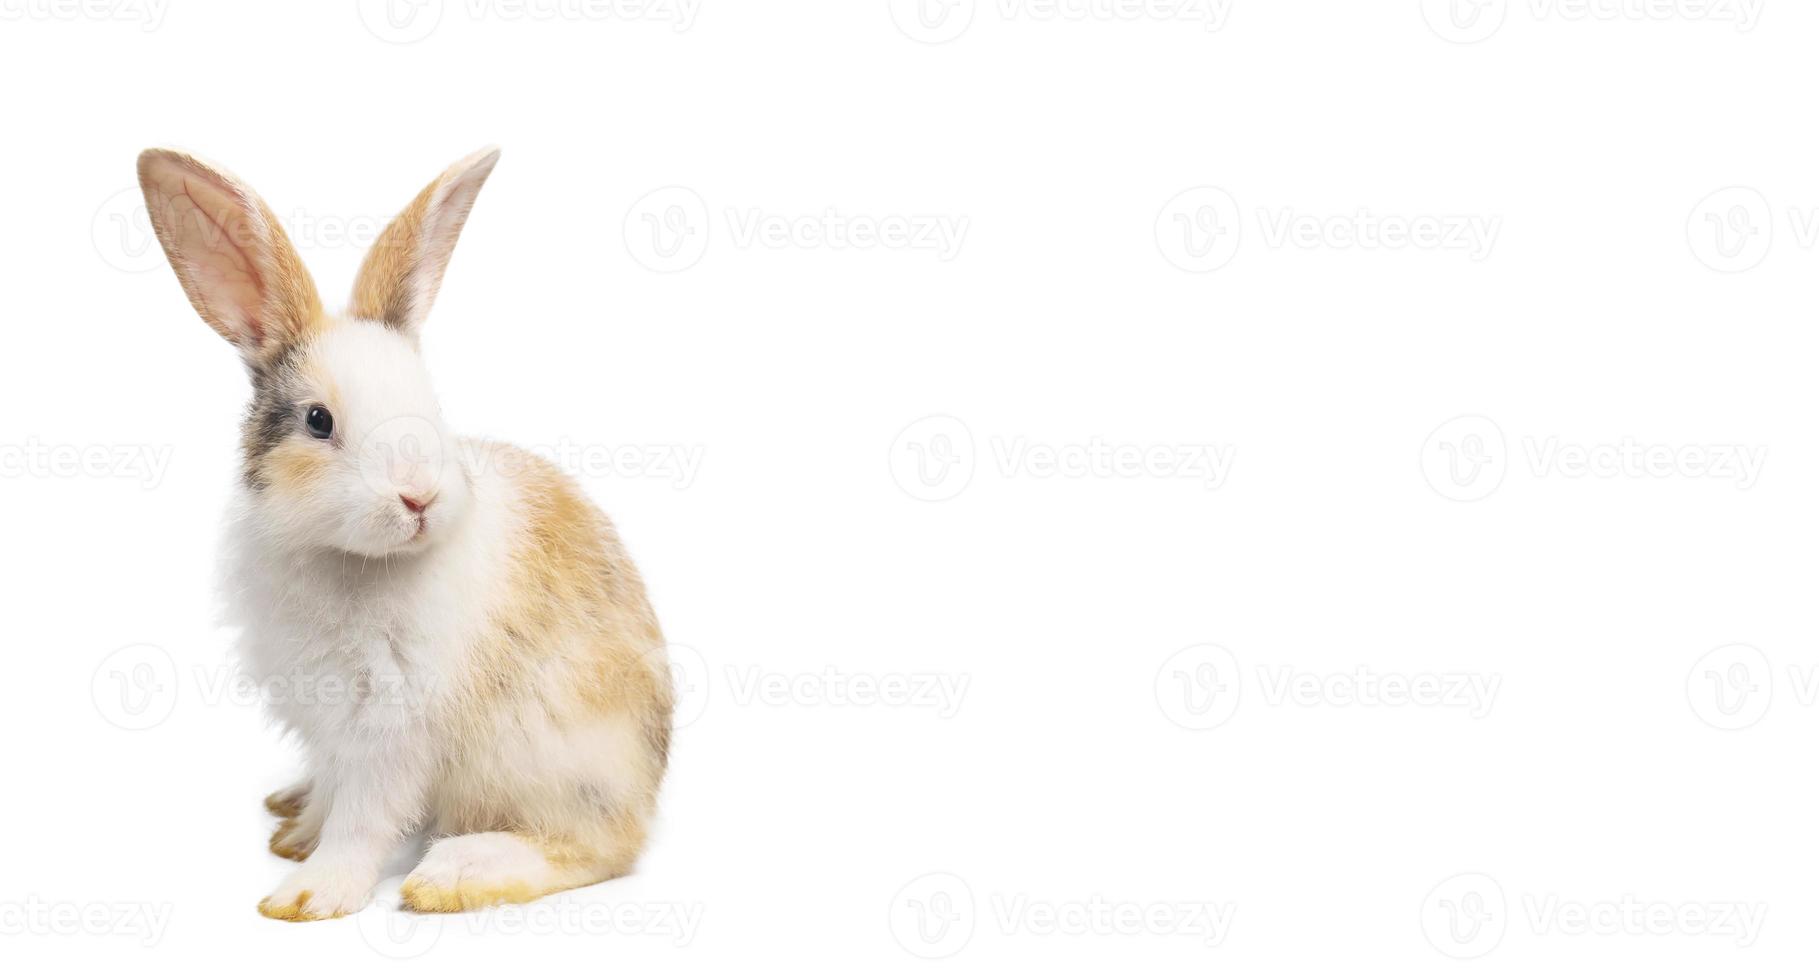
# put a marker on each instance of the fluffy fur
(455, 634)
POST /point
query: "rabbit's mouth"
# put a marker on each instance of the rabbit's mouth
(406, 536)
(416, 531)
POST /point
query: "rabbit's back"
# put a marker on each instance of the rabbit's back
(564, 710)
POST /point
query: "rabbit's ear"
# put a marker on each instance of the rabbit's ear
(233, 258)
(401, 274)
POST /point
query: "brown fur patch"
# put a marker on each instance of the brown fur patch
(419, 896)
(294, 465)
(381, 289)
(291, 842)
(402, 272)
(286, 803)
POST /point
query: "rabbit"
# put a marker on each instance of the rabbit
(453, 632)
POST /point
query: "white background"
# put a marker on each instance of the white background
(1094, 161)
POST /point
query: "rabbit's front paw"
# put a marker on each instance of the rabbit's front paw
(316, 893)
(289, 801)
(295, 840)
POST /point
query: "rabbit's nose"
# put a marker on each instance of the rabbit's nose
(417, 504)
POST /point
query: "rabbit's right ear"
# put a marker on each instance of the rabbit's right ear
(402, 272)
(233, 258)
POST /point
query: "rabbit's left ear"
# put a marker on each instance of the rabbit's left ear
(402, 272)
(230, 253)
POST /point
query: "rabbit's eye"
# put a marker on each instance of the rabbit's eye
(319, 422)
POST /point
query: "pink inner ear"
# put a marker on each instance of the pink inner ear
(215, 236)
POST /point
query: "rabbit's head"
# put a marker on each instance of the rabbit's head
(344, 446)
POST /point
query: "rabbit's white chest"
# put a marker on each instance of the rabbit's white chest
(339, 646)
(335, 660)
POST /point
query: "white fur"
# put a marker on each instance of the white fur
(490, 857)
(322, 619)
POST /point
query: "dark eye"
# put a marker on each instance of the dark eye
(319, 422)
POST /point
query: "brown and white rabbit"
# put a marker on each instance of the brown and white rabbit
(453, 631)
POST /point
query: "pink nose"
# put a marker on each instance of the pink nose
(418, 504)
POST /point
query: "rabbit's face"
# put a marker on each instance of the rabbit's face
(345, 446)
